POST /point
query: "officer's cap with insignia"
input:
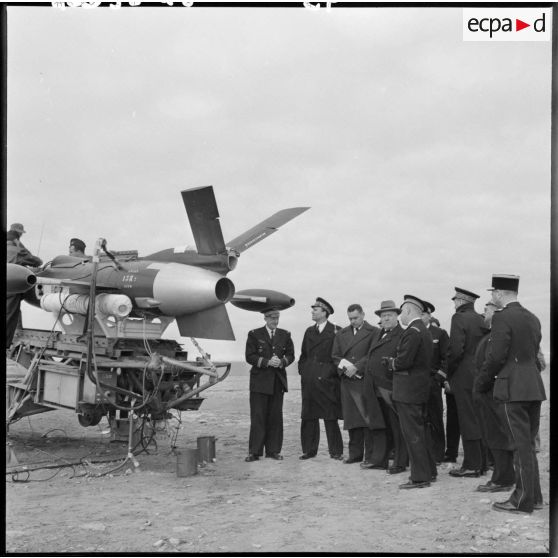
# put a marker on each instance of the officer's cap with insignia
(271, 313)
(428, 307)
(322, 303)
(414, 300)
(502, 282)
(462, 294)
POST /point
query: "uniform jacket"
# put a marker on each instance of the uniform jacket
(259, 350)
(465, 333)
(360, 406)
(17, 253)
(491, 415)
(320, 384)
(440, 341)
(511, 357)
(382, 346)
(412, 364)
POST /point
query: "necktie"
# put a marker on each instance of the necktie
(317, 328)
(355, 330)
(272, 334)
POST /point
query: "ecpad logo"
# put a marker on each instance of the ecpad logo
(507, 24)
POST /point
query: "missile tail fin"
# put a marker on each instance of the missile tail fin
(213, 323)
(203, 215)
(264, 229)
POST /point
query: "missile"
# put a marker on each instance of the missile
(19, 279)
(260, 300)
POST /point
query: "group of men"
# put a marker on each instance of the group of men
(17, 253)
(386, 383)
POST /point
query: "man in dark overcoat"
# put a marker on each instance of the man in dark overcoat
(320, 385)
(512, 361)
(411, 385)
(492, 417)
(361, 410)
(438, 375)
(269, 350)
(465, 333)
(379, 380)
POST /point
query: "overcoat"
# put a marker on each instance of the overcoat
(259, 350)
(492, 417)
(412, 364)
(359, 405)
(440, 340)
(377, 374)
(465, 333)
(319, 381)
(511, 358)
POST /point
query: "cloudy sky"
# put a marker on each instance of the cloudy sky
(425, 159)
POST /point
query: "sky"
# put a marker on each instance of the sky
(425, 159)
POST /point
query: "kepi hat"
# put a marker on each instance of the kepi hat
(468, 296)
(17, 227)
(415, 300)
(322, 303)
(387, 306)
(505, 282)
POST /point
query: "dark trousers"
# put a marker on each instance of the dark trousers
(412, 418)
(452, 427)
(523, 418)
(13, 316)
(360, 443)
(310, 436)
(266, 421)
(435, 420)
(472, 455)
(503, 472)
(400, 454)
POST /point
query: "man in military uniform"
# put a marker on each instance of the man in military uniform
(350, 348)
(320, 385)
(379, 380)
(465, 333)
(438, 375)
(269, 350)
(411, 385)
(492, 418)
(512, 361)
(16, 253)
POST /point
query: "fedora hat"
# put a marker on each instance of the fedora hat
(387, 306)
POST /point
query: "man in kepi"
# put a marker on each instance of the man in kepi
(492, 418)
(319, 385)
(269, 350)
(361, 410)
(512, 361)
(465, 333)
(411, 385)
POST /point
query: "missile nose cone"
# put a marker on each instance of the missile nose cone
(19, 279)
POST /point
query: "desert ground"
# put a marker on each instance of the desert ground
(319, 505)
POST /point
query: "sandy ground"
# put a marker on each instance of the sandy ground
(319, 505)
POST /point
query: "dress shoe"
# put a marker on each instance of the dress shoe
(507, 506)
(538, 506)
(461, 472)
(448, 459)
(276, 456)
(433, 478)
(368, 465)
(415, 484)
(252, 457)
(307, 456)
(337, 456)
(396, 469)
(352, 460)
(493, 487)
